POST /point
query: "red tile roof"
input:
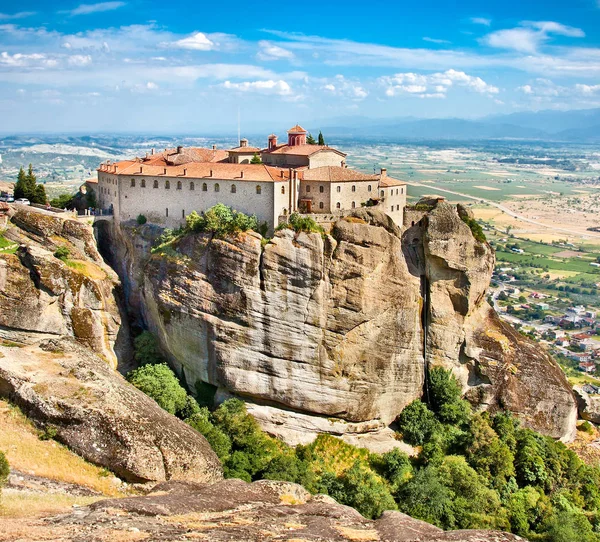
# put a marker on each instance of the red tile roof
(202, 170)
(295, 129)
(301, 150)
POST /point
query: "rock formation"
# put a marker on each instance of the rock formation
(82, 402)
(338, 329)
(41, 295)
(236, 510)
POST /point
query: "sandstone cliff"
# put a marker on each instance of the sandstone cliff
(41, 295)
(335, 332)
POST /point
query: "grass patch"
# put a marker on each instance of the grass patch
(22, 504)
(6, 246)
(20, 442)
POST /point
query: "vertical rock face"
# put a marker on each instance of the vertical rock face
(341, 326)
(43, 295)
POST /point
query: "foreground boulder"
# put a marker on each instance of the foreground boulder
(235, 510)
(339, 327)
(76, 397)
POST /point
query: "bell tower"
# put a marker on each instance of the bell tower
(296, 136)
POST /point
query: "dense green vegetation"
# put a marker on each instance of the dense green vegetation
(27, 187)
(300, 223)
(64, 201)
(471, 470)
(219, 220)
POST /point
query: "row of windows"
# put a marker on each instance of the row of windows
(339, 189)
(217, 187)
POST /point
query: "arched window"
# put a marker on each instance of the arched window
(339, 188)
(283, 189)
(402, 191)
(320, 205)
(233, 189)
(179, 185)
(338, 205)
(167, 211)
(167, 185)
(382, 193)
(353, 204)
(143, 183)
(321, 189)
(132, 182)
(204, 187)
(155, 183)
(217, 187)
(285, 212)
(353, 188)
(192, 187)
(308, 187)
(396, 191)
(182, 213)
(369, 188)
(258, 189)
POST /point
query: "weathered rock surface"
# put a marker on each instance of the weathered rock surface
(64, 387)
(236, 510)
(340, 327)
(42, 295)
(589, 404)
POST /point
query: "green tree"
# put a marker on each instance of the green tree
(445, 397)
(27, 187)
(321, 138)
(256, 159)
(160, 383)
(218, 440)
(417, 423)
(64, 201)
(425, 497)
(310, 140)
(362, 489)
(147, 351)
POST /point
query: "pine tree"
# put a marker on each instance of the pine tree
(310, 140)
(321, 138)
(39, 195)
(256, 159)
(20, 185)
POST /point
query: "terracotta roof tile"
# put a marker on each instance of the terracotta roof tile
(301, 150)
(296, 128)
(202, 170)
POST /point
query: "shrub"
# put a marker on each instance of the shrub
(4, 470)
(587, 427)
(64, 201)
(445, 397)
(48, 433)
(141, 219)
(218, 440)
(62, 253)
(476, 229)
(300, 223)
(160, 383)
(220, 220)
(417, 423)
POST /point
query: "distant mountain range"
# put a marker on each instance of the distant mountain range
(577, 126)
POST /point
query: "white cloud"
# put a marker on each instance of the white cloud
(197, 42)
(19, 15)
(26, 60)
(279, 87)
(529, 36)
(435, 40)
(481, 20)
(269, 51)
(434, 85)
(87, 9)
(587, 89)
(526, 89)
(79, 60)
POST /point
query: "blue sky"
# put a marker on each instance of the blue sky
(189, 66)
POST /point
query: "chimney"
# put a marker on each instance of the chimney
(141, 169)
(184, 171)
(108, 162)
(214, 147)
(146, 156)
(383, 172)
(272, 141)
(243, 142)
(210, 173)
(179, 149)
(152, 151)
(165, 171)
(115, 168)
(282, 173)
(242, 175)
